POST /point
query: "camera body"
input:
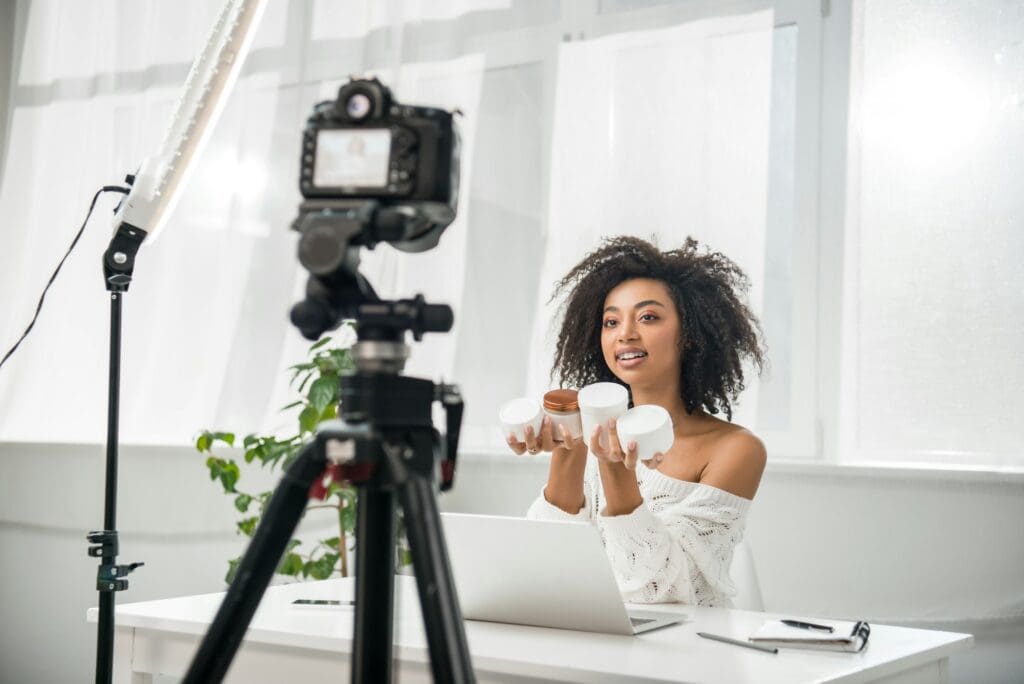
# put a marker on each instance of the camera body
(365, 145)
(372, 171)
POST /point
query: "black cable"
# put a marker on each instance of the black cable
(92, 205)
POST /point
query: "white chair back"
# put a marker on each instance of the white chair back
(744, 576)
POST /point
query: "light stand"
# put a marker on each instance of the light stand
(118, 264)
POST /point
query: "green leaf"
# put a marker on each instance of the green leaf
(291, 405)
(214, 464)
(405, 556)
(323, 392)
(290, 454)
(342, 358)
(250, 439)
(291, 564)
(229, 475)
(248, 525)
(242, 502)
(302, 386)
(327, 365)
(276, 451)
(319, 344)
(348, 519)
(330, 543)
(204, 441)
(226, 437)
(232, 570)
(323, 567)
(309, 418)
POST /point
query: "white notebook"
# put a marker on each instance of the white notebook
(846, 636)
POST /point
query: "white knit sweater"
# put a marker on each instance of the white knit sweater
(676, 546)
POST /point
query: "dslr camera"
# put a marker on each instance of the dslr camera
(372, 170)
(366, 146)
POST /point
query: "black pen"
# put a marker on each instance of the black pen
(736, 642)
(323, 602)
(807, 625)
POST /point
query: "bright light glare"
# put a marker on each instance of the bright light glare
(923, 111)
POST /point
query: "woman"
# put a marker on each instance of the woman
(672, 328)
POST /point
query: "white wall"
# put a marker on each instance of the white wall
(886, 545)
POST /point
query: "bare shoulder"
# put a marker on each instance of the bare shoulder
(738, 459)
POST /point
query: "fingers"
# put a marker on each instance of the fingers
(518, 447)
(567, 440)
(654, 461)
(532, 443)
(595, 443)
(630, 457)
(547, 435)
(614, 451)
(545, 440)
(614, 447)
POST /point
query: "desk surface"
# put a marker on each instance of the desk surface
(674, 653)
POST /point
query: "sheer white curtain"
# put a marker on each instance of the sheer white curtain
(662, 132)
(206, 335)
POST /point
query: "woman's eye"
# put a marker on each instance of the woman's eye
(608, 323)
(652, 316)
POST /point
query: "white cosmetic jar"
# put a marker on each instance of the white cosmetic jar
(598, 403)
(562, 406)
(516, 414)
(650, 426)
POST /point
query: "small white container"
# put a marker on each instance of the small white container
(650, 426)
(598, 403)
(516, 414)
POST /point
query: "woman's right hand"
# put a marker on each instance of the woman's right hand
(546, 441)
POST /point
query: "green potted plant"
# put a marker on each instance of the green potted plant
(317, 381)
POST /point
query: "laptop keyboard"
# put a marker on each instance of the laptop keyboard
(640, 621)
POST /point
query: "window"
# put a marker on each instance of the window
(934, 291)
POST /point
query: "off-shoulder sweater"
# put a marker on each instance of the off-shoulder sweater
(676, 546)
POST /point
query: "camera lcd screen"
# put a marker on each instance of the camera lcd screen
(352, 158)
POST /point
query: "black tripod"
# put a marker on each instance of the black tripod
(118, 264)
(385, 444)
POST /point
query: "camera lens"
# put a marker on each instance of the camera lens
(358, 106)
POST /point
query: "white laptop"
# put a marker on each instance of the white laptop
(539, 572)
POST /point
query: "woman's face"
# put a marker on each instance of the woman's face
(640, 316)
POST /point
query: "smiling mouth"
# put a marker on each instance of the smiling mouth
(631, 361)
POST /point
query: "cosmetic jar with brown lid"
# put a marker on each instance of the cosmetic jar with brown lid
(563, 408)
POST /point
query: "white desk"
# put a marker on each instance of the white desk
(285, 643)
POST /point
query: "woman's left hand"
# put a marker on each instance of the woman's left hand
(615, 453)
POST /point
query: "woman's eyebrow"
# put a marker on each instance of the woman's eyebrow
(646, 302)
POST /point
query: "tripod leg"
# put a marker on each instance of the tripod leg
(442, 617)
(256, 568)
(375, 586)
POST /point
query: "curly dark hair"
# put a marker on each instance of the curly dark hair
(718, 330)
